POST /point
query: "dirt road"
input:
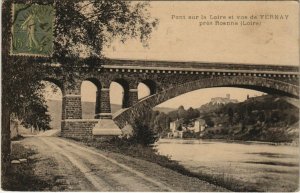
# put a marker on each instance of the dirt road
(73, 167)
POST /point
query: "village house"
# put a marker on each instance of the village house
(177, 128)
(198, 126)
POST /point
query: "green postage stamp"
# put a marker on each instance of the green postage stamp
(32, 29)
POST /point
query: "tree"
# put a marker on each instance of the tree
(275, 116)
(95, 24)
(192, 113)
(143, 134)
(161, 123)
(82, 29)
(230, 115)
(36, 115)
(261, 116)
(173, 115)
(182, 113)
(209, 122)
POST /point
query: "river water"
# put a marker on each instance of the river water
(252, 166)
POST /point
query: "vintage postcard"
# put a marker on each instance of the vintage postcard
(150, 96)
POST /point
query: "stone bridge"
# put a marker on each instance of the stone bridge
(165, 79)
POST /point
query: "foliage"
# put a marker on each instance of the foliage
(264, 118)
(268, 109)
(143, 134)
(181, 113)
(253, 119)
(36, 115)
(230, 115)
(209, 121)
(161, 123)
(87, 26)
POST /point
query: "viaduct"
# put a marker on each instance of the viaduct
(165, 79)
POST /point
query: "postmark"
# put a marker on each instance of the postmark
(32, 29)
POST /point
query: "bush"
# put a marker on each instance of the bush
(143, 134)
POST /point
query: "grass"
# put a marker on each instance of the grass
(148, 153)
(20, 177)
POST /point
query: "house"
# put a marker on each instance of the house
(175, 125)
(177, 128)
(175, 134)
(198, 126)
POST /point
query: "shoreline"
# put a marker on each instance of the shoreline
(199, 141)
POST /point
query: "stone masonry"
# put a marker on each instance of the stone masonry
(165, 80)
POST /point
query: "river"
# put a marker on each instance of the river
(252, 166)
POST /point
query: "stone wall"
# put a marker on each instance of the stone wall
(78, 128)
(71, 107)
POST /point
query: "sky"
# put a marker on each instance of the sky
(274, 42)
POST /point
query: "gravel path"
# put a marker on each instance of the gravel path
(74, 167)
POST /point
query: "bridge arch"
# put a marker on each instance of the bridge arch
(95, 81)
(90, 97)
(53, 95)
(125, 95)
(256, 83)
(149, 84)
(56, 82)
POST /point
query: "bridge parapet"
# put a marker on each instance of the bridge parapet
(181, 65)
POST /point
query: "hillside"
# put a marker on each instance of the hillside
(210, 107)
(163, 109)
(263, 118)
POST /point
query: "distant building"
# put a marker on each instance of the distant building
(199, 125)
(223, 100)
(175, 134)
(175, 125)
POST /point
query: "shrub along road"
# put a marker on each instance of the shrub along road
(70, 166)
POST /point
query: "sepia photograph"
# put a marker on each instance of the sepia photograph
(150, 96)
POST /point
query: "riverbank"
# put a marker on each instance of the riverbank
(151, 154)
(261, 170)
(199, 141)
(66, 165)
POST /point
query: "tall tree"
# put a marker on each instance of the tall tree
(36, 115)
(82, 29)
(230, 115)
(182, 113)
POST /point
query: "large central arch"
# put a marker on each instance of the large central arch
(256, 83)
